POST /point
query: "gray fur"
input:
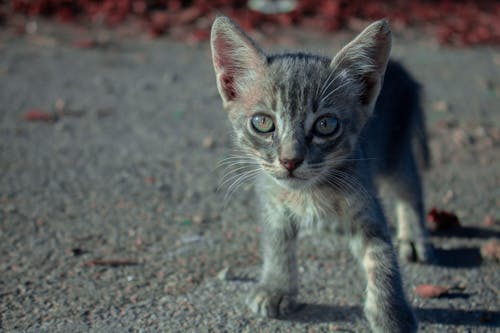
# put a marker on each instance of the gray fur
(334, 178)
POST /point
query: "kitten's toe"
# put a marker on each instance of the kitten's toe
(406, 250)
(425, 252)
(416, 251)
(270, 304)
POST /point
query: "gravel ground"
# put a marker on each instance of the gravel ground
(128, 173)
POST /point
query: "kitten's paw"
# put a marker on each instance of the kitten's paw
(416, 251)
(400, 320)
(271, 304)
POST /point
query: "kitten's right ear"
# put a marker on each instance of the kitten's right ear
(237, 59)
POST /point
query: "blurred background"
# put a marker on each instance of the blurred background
(112, 214)
(463, 22)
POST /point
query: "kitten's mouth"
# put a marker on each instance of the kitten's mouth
(292, 181)
(290, 176)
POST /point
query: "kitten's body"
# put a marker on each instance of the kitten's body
(315, 143)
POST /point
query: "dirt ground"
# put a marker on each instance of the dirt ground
(111, 219)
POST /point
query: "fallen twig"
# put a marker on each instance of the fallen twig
(111, 262)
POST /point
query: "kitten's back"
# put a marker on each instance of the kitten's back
(398, 122)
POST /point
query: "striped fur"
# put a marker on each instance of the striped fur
(337, 175)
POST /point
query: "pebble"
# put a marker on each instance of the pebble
(440, 106)
(208, 142)
(225, 274)
(491, 250)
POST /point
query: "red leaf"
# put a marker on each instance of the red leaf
(430, 290)
(65, 14)
(159, 22)
(39, 115)
(188, 15)
(442, 220)
(85, 44)
(111, 262)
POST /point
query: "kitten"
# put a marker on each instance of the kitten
(315, 140)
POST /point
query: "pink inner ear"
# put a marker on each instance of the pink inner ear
(227, 82)
(226, 64)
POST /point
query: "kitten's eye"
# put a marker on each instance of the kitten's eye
(325, 126)
(262, 124)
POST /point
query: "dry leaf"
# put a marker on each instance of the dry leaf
(491, 250)
(39, 115)
(430, 290)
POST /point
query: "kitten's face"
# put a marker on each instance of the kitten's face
(295, 128)
(298, 116)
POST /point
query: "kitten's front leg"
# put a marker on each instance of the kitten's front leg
(386, 307)
(278, 287)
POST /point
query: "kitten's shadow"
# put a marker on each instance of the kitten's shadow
(320, 313)
(467, 232)
(462, 257)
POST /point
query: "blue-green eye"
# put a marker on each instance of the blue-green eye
(326, 126)
(262, 123)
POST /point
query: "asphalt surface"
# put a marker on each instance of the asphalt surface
(111, 219)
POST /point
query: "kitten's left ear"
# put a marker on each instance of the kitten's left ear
(237, 59)
(365, 58)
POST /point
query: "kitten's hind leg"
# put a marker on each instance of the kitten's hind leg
(278, 287)
(412, 236)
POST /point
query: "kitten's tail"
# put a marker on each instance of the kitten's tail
(421, 142)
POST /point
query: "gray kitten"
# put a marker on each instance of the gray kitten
(316, 137)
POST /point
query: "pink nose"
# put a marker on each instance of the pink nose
(291, 164)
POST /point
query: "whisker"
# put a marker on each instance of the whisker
(228, 166)
(351, 182)
(231, 175)
(328, 82)
(238, 182)
(324, 98)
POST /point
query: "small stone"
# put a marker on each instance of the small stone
(440, 106)
(150, 180)
(31, 27)
(490, 221)
(198, 219)
(10, 208)
(138, 242)
(448, 196)
(224, 274)
(60, 104)
(208, 142)
(460, 137)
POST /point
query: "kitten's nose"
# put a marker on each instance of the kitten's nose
(291, 164)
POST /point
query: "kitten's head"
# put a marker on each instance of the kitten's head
(298, 115)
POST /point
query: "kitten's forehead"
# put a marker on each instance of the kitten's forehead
(295, 80)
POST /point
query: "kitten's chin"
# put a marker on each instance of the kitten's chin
(293, 183)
